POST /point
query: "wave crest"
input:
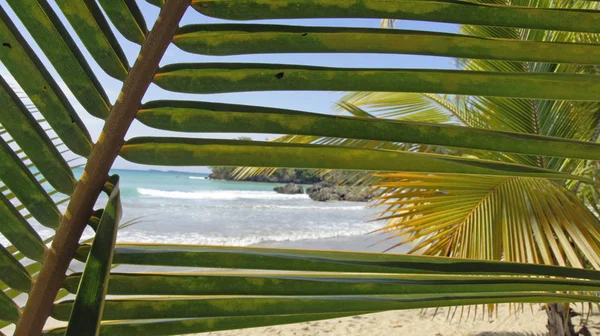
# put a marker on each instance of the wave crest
(218, 194)
(246, 240)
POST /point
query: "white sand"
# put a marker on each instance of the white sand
(416, 322)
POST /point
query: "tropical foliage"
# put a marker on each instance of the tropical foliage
(43, 138)
(284, 175)
(514, 219)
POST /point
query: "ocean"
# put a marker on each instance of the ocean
(188, 208)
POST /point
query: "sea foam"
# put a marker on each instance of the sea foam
(245, 240)
(218, 194)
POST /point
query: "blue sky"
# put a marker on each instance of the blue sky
(320, 102)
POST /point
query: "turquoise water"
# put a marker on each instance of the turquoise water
(188, 208)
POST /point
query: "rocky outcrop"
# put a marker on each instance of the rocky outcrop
(326, 191)
(290, 188)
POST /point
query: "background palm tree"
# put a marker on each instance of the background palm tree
(517, 219)
(43, 139)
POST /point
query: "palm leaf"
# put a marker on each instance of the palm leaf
(127, 18)
(212, 117)
(403, 106)
(240, 77)
(190, 152)
(220, 39)
(178, 326)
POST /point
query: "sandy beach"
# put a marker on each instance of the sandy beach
(530, 321)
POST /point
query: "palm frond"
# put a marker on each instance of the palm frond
(481, 223)
(516, 219)
(401, 106)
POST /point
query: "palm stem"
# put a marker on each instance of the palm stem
(57, 259)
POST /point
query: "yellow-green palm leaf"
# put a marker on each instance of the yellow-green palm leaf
(520, 219)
